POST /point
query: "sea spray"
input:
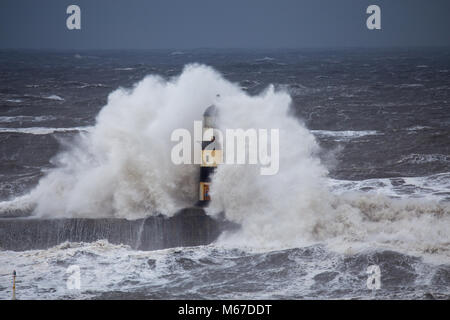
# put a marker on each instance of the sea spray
(271, 208)
(122, 168)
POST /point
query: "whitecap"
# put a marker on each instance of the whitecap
(42, 130)
(54, 97)
(25, 118)
(265, 59)
(410, 85)
(346, 134)
(416, 158)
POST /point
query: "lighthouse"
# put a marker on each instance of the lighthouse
(211, 153)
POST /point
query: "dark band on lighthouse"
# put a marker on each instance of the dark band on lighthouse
(211, 154)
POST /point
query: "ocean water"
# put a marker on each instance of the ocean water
(364, 175)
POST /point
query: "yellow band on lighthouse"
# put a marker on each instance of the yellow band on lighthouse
(211, 158)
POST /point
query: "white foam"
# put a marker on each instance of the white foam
(54, 97)
(26, 118)
(265, 59)
(42, 130)
(416, 158)
(92, 85)
(434, 187)
(418, 128)
(43, 273)
(345, 134)
(410, 85)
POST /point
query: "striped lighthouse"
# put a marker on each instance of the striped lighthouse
(211, 153)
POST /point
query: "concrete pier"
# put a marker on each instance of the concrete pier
(188, 227)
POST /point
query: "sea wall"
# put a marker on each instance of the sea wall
(188, 227)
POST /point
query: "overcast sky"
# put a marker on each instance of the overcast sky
(156, 24)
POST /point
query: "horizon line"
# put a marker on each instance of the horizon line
(175, 49)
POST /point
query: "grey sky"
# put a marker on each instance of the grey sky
(153, 24)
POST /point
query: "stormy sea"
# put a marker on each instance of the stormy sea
(359, 209)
